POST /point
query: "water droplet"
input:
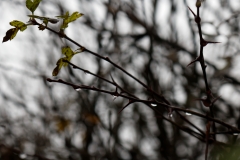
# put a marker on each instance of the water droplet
(23, 156)
(235, 134)
(170, 115)
(78, 89)
(188, 114)
(114, 97)
(153, 104)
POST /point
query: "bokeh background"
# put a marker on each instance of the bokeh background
(152, 39)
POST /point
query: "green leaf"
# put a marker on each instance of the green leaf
(67, 51)
(45, 19)
(67, 19)
(64, 16)
(10, 34)
(64, 25)
(66, 59)
(58, 67)
(74, 16)
(56, 71)
(18, 24)
(32, 4)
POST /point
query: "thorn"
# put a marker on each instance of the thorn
(206, 101)
(195, 60)
(204, 43)
(197, 18)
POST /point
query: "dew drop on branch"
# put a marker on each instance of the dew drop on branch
(78, 89)
(114, 97)
(188, 114)
(22, 156)
(153, 104)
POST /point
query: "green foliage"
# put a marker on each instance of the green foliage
(32, 4)
(45, 19)
(67, 51)
(67, 19)
(18, 24)
(223, 152)
(11, 33)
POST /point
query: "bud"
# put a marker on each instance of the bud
(199, 3)
(206, 101)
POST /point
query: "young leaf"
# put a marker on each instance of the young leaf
(55, 71)
(18, 24)
(32, 4)
(10, 34)
(59, 64)
(64, 16)
(67, 51)
(67, 19)
(45, 19)
(64, 25)
(58, 67)
(74, 16)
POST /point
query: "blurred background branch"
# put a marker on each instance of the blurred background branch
(154, 41)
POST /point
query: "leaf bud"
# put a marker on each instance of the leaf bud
(198, 3)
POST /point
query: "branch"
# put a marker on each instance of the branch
(62, 35)
(147, 102)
